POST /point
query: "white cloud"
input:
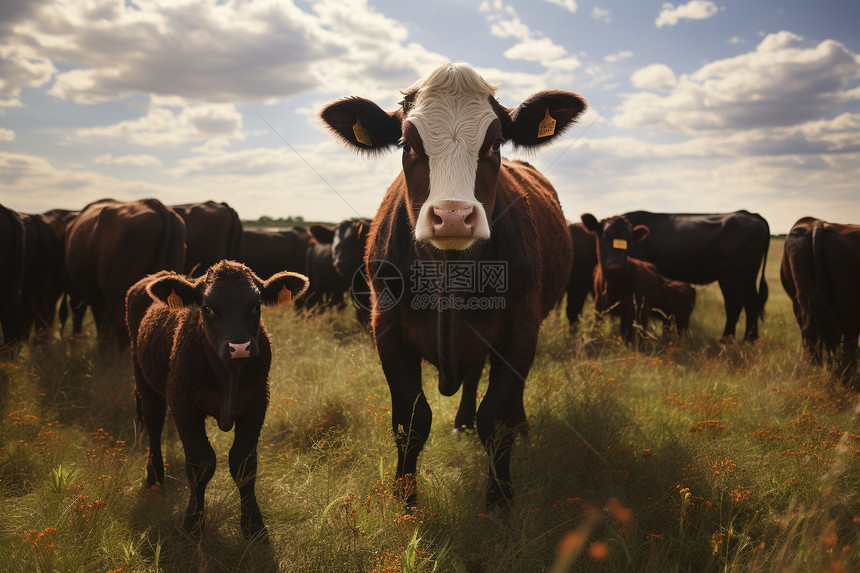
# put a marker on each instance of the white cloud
(535, 50)
(163, 126)
(569, 5)
(601, 14)
(205, 51)
(736, 40)
(532, 46)
(6, 134)
(654, 77)
(694, 10)
(780, 83)
(139, 160)
(618, 57)
(21, 67)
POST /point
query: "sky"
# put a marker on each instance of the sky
(699, 106)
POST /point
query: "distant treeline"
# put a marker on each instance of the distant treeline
(290, 221)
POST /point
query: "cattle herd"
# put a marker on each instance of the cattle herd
(181, 287)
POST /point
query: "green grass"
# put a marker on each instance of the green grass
(684, 455)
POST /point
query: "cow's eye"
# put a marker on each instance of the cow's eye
(258, 308)
(207, 310)
(404, 145)
(497, 146)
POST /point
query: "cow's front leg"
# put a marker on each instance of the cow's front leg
(411, 416)
(501, 411)
(465, 418)
(199, 464)
(243, 468)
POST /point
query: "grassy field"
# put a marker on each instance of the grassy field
(688, 455)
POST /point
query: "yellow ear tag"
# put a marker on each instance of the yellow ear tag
(284, 296)
(547, 125)
(174, 301)
(619, 244)
(360, 133)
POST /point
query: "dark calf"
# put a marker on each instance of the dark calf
(201, 348)
(632, 289)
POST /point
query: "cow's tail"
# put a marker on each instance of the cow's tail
(822, 318)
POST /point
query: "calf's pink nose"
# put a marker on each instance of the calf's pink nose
(240, 350)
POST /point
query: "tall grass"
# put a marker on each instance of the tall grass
(683, 455)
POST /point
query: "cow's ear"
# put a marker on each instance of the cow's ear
(321, 234)
(590, 223)
(362, 124)
(363, 230)
(283, 288)
(542, 117)
(174, 290)
(640, 233)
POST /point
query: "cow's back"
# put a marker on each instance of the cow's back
(111, 245)
(533, 217)
(213, 233)
(269, 251)
(700, 247)
(151, 329)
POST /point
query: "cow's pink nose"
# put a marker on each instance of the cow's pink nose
(240, 350)
(453, 219)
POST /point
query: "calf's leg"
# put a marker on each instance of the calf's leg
(199, 464)
(243, 468)
(151, 408)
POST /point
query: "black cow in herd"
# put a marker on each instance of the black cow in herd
(213, 232)
(820, 271)
(267, 251)
(632, 289)
(200, 348)
(730, 248)
(457, 203)
(581, 282)
(12, 317)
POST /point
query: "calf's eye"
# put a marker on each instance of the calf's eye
(206, 310)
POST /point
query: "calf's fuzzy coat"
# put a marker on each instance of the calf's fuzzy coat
(201, 348)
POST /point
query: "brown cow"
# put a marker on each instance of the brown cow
(12, 317)
(213, 232)
(581, 281)
(267, 251)
(201, 348)
(820, 271)
(110, 246)
(458, 213)
(632, 289)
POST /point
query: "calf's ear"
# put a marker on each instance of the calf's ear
(590, 223)
(362, 124)
(640, 233)
(168, 287)
(283, 288)
(542, 117)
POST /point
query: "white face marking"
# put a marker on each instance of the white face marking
(452, 113)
